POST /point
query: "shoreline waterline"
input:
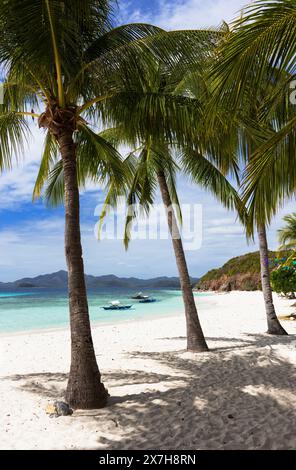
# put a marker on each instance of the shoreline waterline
(94, 325)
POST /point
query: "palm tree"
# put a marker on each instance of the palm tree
(158, 156)
(287, 235)
(61, 59)
(154, 166)
(248, 84)
(255, 221)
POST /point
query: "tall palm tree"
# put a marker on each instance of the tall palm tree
(158, 156)
(156, 167)
(248, 84)
(238, 131)
(61, 59)
(287, 235)
(256, 222)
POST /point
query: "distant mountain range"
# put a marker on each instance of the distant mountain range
(59, 280)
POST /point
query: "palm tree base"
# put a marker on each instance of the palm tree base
(197, 347)
(90, 398)
(277, 331)
(275, 328)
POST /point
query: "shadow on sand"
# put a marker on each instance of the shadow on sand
(240, 397)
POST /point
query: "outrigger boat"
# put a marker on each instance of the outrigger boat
(140, 296)
(116, 305)
(147, 301)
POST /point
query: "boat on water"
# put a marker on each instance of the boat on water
(140, 296)
(116, 305)
(149, 300)
(144, 299)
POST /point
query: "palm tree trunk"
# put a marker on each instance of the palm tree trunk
(85, 389)
(274, 326)
(195, 337)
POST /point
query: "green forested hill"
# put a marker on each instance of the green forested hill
(240, 273)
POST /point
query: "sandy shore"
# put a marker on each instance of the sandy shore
(241, 395)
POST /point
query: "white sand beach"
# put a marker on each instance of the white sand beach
(240, 395)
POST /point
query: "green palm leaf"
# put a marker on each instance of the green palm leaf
(13, 137)
(287, 235)
(49, 157)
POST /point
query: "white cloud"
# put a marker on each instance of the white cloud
(221, 221)
(32, 247)
(198, 13)
(182, 14)
(226, 230)
(16, 186)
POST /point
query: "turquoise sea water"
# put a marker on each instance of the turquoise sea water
(40, 309)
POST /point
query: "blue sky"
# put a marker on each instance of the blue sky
(180, 14)
(31, 235)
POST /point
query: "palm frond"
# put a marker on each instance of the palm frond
(208, 176)
(49, 157)
(262, 41)
(287, 235)
(54, 191)
(14, 133)
(98, 159)
(270, 176)
(162, 115)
